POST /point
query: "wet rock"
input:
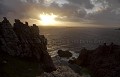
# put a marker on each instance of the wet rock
(66, 54)
(62, 71)
(72, 61)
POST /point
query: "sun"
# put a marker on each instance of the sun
(48, 19)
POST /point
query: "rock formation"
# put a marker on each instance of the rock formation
(66, 54)
(104, 61)
(24, 41)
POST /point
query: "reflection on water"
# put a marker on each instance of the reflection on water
(74, 39)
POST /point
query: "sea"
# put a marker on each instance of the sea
(75, 38)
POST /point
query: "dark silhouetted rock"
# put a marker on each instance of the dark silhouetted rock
(72, 61)
(9, 38)
(26, 23)
(62, 53)
(24, 41)
(104, 61)
(35, 29)
(5, 20)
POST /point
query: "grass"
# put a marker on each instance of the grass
(85, 72)
(16, 67)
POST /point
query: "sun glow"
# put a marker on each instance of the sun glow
(48, 19)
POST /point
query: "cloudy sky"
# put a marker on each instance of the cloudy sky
(74, 12)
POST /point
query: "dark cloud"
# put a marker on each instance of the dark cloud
(86, 3)
(75, 10)
(14, 7)
(109, 15)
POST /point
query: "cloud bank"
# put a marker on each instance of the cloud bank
(89, 11)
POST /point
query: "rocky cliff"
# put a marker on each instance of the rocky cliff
(24, 41)
(103, 61)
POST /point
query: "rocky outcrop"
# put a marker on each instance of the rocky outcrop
(62, 71)
(66, 54)
(104, 61)
(8, 38)
(24, 41)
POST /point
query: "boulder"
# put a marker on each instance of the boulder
(66, 54)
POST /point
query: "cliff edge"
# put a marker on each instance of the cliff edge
(103, 61)
(24, 41)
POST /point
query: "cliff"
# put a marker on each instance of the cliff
(23, 41)
(103, 61)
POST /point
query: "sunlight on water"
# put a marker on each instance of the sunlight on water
(74, 39)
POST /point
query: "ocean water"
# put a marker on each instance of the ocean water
(75, 38)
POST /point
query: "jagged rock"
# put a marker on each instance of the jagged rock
(62, 53)
(21, 40)
(62, 71)
(104, 61)
(35, 29)
(9, 38)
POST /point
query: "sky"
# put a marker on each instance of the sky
(71, 12)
